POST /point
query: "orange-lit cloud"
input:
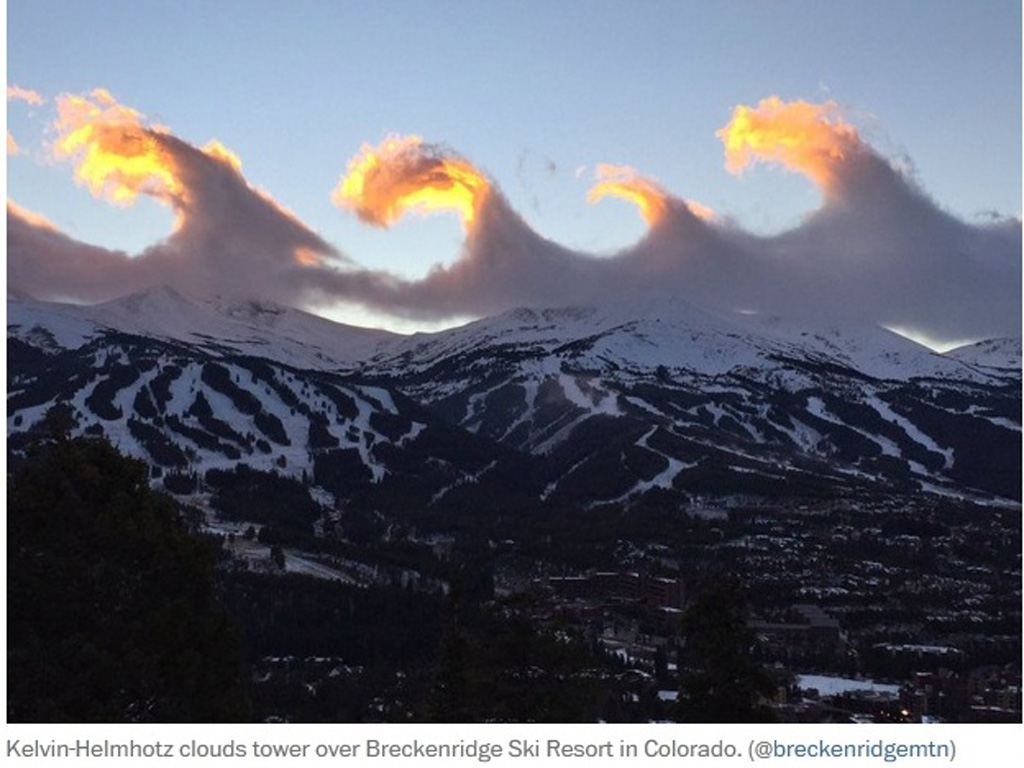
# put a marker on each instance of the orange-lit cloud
(229, 237)
(23, 94)
(809, 138)
(12, 145)
(218, 151)
(877, 250)
(116, 156)
(623, 181)
(701, 211)
(307, 257)
(404, 174)
(653, 201)
(30, 217)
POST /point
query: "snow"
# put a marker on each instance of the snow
(553, 485)
(366, 408)
(415, 429)
(835, 686)
(299, 562)
(870, 349)
(716, 412)
(382, 397)
(644, 405)
(559, 431)
(1005, 423)
(466, 479)
(634, 337)
(663, 479)
(279, 333)
(993, 353)
(602, 403)
(802, 435)
(27, 418)
(38, 323)
(961, 495)
(816, 407)
(531, 388)
(912, 431)
(594, 355)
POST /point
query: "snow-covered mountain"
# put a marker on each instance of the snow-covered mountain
(677, 335)
(1000, 354)
(683, 387)
(629, 405)
(220, 326)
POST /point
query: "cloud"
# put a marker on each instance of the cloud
(405, 174)
(877, 250)
(623, 181)
(116, 156)
(36, 220)
(19, 94)
(229, 238)
(46, 263)
(808, 138)
(22, 94)
(879, 247)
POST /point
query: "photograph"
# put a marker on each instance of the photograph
(584, 363)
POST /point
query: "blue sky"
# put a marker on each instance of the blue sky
(531, 92)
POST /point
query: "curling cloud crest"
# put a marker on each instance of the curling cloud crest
(877, 250)
(228, 237)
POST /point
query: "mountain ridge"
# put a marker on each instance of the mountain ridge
(586, 405)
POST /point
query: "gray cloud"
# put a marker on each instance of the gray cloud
(229, 239)
(877, 250)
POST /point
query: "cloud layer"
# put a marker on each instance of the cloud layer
(877, 250)
(228, 238)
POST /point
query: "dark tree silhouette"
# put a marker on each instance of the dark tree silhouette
(111, 613)
(450, 699)
(721, 680)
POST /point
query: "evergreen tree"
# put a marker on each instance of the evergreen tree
(112, 614)
(721, 680)
(451, 696)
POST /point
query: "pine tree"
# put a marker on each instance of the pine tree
(450, 699)
(721, 680)
(112, 614)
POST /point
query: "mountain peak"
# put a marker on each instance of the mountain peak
(991, 353)
(154, 299)
(549, 315)
(247, 310)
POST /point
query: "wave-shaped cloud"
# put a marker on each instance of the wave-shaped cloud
(878, 249)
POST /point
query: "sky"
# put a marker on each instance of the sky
(535, 96)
